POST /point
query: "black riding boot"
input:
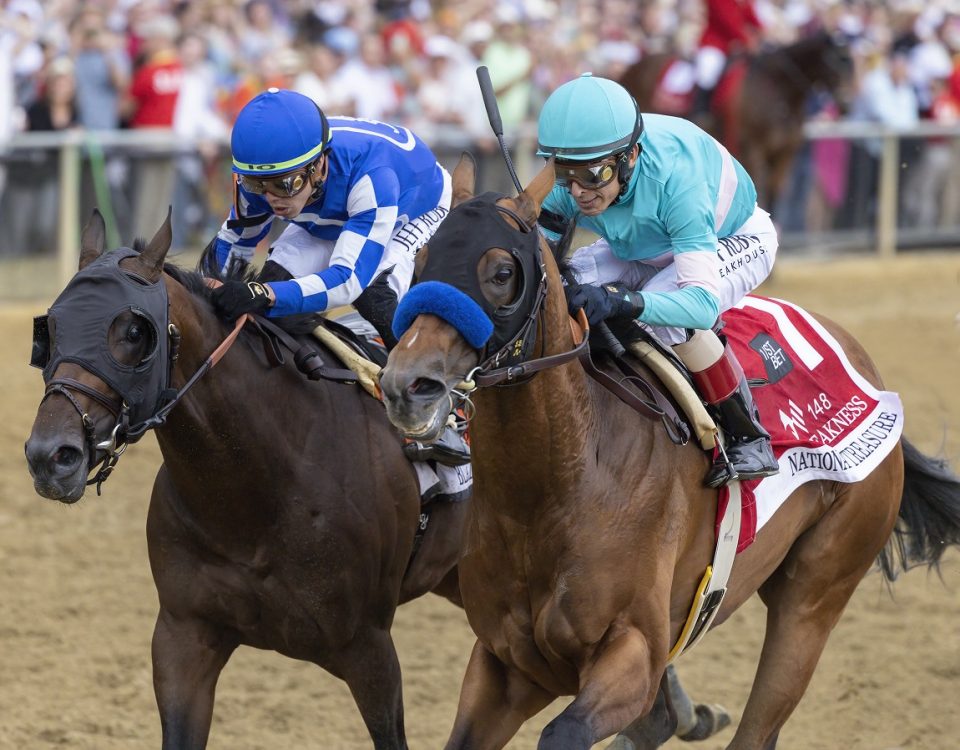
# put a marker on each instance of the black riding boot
(701, 103)
(731, 404)
(747, 442)
(377, 304)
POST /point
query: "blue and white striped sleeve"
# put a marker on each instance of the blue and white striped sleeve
(242, 231)
(372, 207)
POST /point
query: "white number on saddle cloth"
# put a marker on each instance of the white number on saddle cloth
(825, 420)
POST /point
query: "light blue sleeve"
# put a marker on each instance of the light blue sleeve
(691, 307)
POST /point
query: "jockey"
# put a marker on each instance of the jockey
(361, 198)
(677, 217)
(731, 26)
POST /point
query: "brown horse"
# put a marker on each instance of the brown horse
(284, 514)
(759, 106)
(589, 529)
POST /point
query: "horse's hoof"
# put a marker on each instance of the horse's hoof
(620, 742)
(711, 718)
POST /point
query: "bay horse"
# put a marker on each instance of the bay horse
(284, 514)
(589, 529)
(758, 108)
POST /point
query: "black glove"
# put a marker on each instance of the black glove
(234, 298)
(602, 302)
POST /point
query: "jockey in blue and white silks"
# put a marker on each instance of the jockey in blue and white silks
(383, 195)
(682, 240)
(361, 198)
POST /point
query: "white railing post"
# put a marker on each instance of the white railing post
(68, 220)
(887, 196)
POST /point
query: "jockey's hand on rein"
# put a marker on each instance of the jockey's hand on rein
(600, 303)
(234, 298)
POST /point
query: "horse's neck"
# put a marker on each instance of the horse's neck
(536, 442)
(212, 442)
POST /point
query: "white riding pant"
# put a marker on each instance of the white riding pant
(302, 254)
(745, 259)
(709, 64)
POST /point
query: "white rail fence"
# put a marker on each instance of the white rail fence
(74, 149)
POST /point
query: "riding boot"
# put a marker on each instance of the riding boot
(723, 385)
(377, 304)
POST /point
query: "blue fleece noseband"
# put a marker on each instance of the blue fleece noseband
(448, 303)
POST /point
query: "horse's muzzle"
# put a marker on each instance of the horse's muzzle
(59, 470)
(418, 407)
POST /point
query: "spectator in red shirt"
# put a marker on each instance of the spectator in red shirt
(152, 97)
(151, 102)
(731, 26)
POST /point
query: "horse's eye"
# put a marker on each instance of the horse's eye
(135, 333)
(503, 276)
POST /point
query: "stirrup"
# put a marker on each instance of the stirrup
(449, 449)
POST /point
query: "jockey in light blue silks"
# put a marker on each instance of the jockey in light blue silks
(682, 240)
(361, 198)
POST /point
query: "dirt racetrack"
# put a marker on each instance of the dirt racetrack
(77, 603)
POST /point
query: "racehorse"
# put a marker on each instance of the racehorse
(759, 106)
(590, 529)
(284, 514)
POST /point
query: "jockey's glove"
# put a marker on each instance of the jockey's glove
(234, 298)
(600, 303)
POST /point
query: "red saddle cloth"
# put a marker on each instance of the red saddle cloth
(825, 419)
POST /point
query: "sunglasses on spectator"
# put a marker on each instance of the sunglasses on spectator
(282, 186)
(592, 176)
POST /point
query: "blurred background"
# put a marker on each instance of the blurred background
(127, 105)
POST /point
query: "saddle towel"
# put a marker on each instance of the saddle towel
(826, 421)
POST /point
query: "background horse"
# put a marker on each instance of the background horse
(283, 516)
(759, 105)
(589, 529)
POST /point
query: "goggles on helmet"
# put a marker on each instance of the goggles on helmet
(590, 176)
(284, 185)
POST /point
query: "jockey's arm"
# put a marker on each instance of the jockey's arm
(372, 207)
(688, 218)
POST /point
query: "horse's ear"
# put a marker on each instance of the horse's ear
(533, 195)
(152, 257)
(464, 179)
(92, 239)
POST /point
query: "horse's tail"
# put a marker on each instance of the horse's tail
(929, 514)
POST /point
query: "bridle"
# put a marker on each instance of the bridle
(123, 433)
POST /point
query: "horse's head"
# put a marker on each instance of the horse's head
(104, 351)
(825, 58)
(481, 285)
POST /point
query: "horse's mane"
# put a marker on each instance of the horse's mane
(195, 282)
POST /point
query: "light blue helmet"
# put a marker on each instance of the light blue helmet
(588, 118)
(277, 131)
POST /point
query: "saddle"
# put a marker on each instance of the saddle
(670, 396)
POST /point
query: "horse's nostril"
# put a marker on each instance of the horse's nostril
(425, 389)
(66, 457)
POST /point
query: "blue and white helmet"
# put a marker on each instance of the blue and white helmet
(278, 131)
(587, 119)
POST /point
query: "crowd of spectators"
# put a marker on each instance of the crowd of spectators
(190, 65)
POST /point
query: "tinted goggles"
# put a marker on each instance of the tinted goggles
(590, 176)
(282, 186)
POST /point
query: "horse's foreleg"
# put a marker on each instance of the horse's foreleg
(806, 596)
(495, 700)
(674, 712)
(188, 656)
(620, 684)
(370, 667)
